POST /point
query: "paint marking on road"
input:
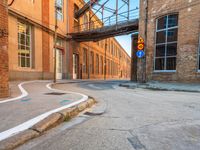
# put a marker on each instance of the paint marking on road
(26, 125)
(24, 93)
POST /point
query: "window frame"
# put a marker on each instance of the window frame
(20, 44)
(165, 43)
(198, 56)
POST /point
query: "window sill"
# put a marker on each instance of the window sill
(164, 71)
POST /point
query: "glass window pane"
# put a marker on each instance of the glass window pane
(28, 41)
(160, 37)
(160, 50)
(23, 62)
(199, 62)
(171, 49)
(159, 63)
(171, 63)
(22, 39)
(172, 20)
(27, 62)
(161, 24)
(172, 35)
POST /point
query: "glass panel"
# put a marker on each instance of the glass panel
(160, 37)
(160, 50)
(172, 35)
(172, 20)
(28, 40)
(161, 24)
(171, 49)
(159, 63)
(171, 63)
(27, 62)
(23, 62)
(22, 39)
(199, 62)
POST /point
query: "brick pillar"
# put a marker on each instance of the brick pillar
(134, 57)
(45, 39)
(4, 87)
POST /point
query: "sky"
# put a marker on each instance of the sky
(124, 40)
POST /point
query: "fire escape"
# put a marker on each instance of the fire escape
(113, 21)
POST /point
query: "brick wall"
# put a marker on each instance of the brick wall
(4, 88)
(188, 36)
(45, 37)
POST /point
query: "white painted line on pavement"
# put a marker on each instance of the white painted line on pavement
(31, 122)
(24, 93)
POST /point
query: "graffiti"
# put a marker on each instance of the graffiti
(3, 33)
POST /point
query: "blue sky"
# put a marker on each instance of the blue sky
(125, 40)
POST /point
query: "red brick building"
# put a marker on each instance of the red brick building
(31, 27)
(172, 40)
(3, 49)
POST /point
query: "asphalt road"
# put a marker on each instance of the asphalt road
(132, 119)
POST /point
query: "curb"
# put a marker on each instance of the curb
(149, 87)
(44, 125)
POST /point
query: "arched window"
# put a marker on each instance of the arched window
(166, 43)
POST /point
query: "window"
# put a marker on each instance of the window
(92, 62)
(166, 43)
(84, 60)
(97, 64)
(85, 22)
(24, 45)
(199, 53)
(101, 65)
(59, 10)
(76, 21)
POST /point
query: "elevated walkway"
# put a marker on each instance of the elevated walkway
(122, 28)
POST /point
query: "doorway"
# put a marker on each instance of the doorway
(75, 66)
(58, 64)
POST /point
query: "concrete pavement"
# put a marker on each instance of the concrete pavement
(169, 86)
(133, 119)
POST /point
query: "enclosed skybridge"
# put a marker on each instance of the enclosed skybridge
(104, 21)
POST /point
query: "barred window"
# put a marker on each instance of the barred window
(24, 45)
(166, 43)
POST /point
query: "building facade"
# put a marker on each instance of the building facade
(4, 49)
(31, 26)
(172, 40)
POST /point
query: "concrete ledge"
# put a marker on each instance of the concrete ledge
(48, 122)
(19, 139)
(44, 125)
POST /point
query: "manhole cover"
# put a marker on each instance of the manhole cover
(55, 93)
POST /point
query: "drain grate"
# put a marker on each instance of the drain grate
(55, 93)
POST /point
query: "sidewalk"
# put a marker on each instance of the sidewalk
(40, 100)
(154, 85)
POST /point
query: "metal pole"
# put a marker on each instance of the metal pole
(128, 9)
(116, 11)
(89, 45)
(55, 40)
(105, 67)
(145, 43)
